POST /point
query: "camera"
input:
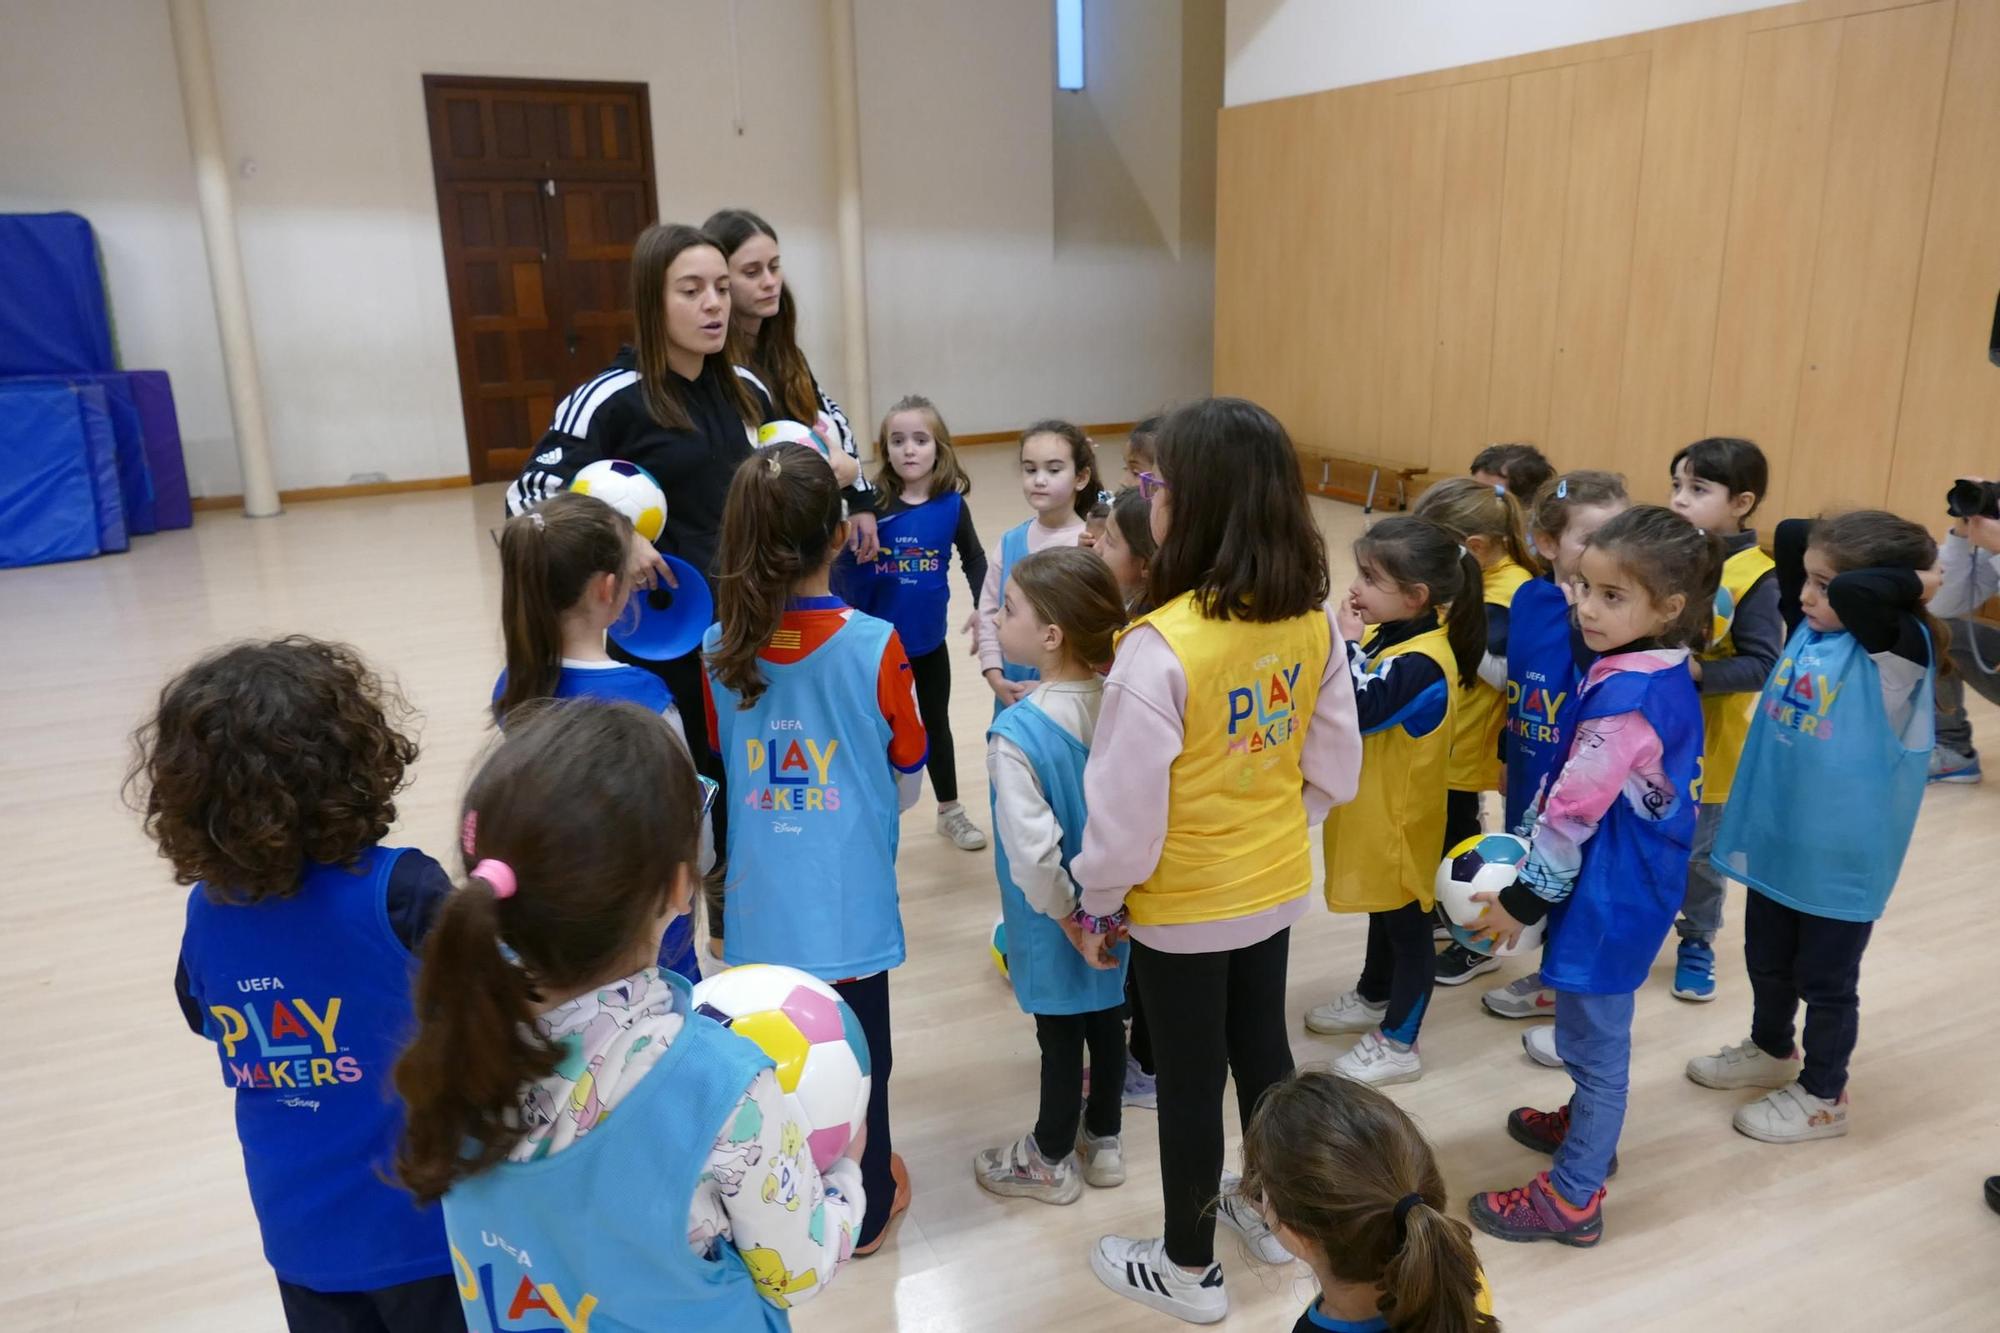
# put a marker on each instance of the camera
(1973, 499)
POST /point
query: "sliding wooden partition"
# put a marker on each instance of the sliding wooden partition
(1782, 224)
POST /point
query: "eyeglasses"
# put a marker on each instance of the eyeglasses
(1150, 485)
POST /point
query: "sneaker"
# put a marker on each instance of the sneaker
(1694, 971)
(1103, 1160)
(1347, 1013)
(1458, 965)
(1954, 766)
(1792, 1115)
(956, 825)
(1241, 1216)
(1440, 926)
(1743, 1065)
(1523, 997)
(899, 1204)
(1139, 1270)
(1540, 1044)
(1019, 1171)
(1379, 1062)
(1536, 1212)
(1544, 1131)
(1142, 1090)
(1993, 1193)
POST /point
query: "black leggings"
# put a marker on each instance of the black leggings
(1063, 1038)
(1142, 1034)
(1400, 968)
(428, 1305)
(869, 999)
(1215, 1014)
(1795, 956)
(683, 677)
(1461, 818)
(933, 677)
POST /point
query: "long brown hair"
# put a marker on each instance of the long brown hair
(1073, 590)
(1411, 551)
(779, 525)
(1332, 1159)
(1242, 540)
(946, 474)
(1082, 457)
(652, 255)
(593, 808)
(774, 353)
(1877, 539)
(1668, 556)
(1474, 509)
(547, 558)
(1585, 489)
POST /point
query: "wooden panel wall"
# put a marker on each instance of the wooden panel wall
(1783, 224)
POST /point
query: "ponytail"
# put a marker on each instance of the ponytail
(1474, 509)
(779, 526)
(547, 558)
(1413, 551)
(1432, 1280)
(1668, 556)
(1465, 619)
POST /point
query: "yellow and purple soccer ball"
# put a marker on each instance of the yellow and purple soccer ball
(794, 432)
(1483, 863)
(629, 489)
(812, 1037)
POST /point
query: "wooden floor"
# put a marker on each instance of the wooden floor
(125, 1204)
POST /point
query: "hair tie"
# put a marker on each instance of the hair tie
(499, 875)
(771, 461)
(1403, 1206)
(1500, 490)
(1464, 553)
(1562, 489)
(468, 832)
(1104, 497)
(536, 520)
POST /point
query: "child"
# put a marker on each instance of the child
(1228, 729)
(1095, 521)
(1717, 485)
(810, 706)
(1057, 614)
(1608, 861)
(268, 777)
(1825, 803)
(1420, 589)
(1347, 1183)
(599, 1147)
(923, 516)
(1520, 468)
(1546, 661)
(1139, 449)
(1488, 522)
(1059, 478)
(567, 569)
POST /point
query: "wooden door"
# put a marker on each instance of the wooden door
(542, 188)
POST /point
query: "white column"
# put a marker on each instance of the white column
(847, 213)
(225, 263)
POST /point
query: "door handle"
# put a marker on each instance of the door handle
(570, 340)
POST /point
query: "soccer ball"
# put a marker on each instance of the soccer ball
(629, 489)
(1483, 863)
(792, 432)
(812, 1037)
(996, 947)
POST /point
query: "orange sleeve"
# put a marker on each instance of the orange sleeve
(896, 690)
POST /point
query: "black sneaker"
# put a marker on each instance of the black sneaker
(1458, 965)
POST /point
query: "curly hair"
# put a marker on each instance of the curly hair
(264, 757)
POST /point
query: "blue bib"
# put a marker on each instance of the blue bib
(1604, 937)
(595, 1236)
(1049, 975)
(1826, 794)
(812, 837)
(308, 1001)
(1542, 685)
(911, 587)
(1013, 546)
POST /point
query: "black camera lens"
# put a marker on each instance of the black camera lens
(1973, 499)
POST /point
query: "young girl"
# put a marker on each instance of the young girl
(268, 776)
(923, 516)
(1519, 467)
(1717, 485)
(543, 1014)
(1228, 704)
(810, 706)
(1608, 861)
(1347, 1183)
(1059, 478)
(1825, 803)
(1095, 521)
(1139, 449)
(1488, 522)
(1057, 614)
(1420, 589)
(1546, 659)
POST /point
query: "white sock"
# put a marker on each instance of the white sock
(946, 807)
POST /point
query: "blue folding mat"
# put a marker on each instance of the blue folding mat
(135, 475)
(53, 317)
(48, 502)
(101, 438)
(160, 428)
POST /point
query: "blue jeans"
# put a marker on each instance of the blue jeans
(1594, 1038)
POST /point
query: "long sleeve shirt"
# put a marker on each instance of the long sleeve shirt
(1757, 634)
(1408, 690)
(1040, 537)
(1881, 608)
(1022, 818)
(1971, 578)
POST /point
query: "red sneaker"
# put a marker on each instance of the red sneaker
(1544, 1131)
(1536, 1212)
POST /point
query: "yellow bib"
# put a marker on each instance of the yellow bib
(1383, 847)
(1482, 710)
(1726, 717)
(1236, 818)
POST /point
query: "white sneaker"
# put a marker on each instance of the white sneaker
(1523, 997)
(1743, 1066)
(1345, 1013)
(1139, 1270)
(1792, 1115)
(956, 825)
(1377, 1061)
(1019, 1171)
(1540, 1044)
(1103, 1160)
(1241, 1216)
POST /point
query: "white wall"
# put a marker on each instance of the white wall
(1281, 48)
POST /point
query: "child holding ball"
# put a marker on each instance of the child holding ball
(1059, 479)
